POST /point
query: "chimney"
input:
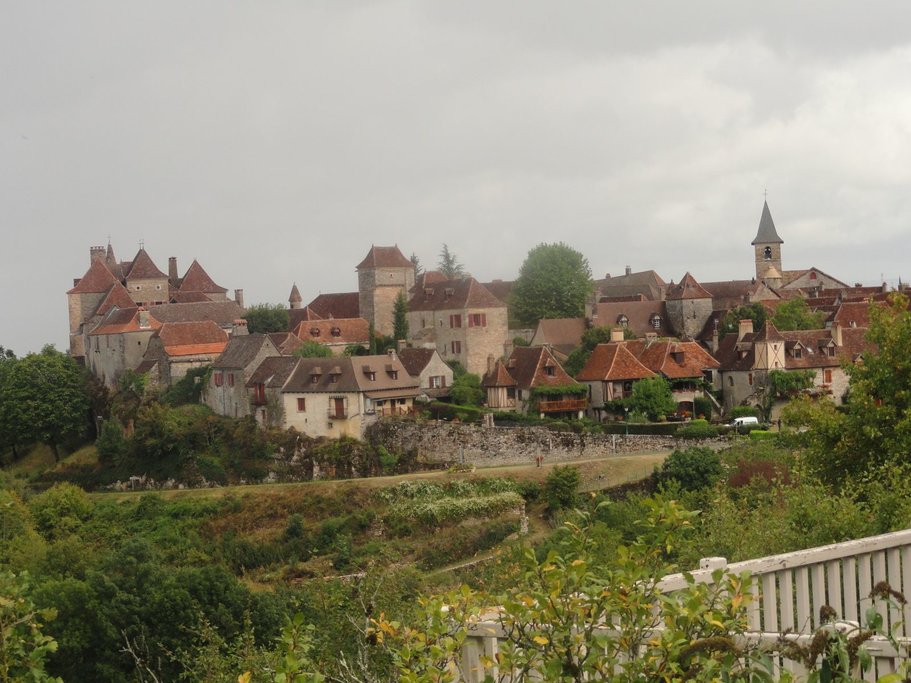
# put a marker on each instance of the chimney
(239, 297)
(239, 328)
(616, 334)
(836, 332)
(715, 342)
(172, 270)
(629, 271)
(143, 319)
(885, 288)
(96, 254)
(401, 344)
(392, 354)
(744, 328)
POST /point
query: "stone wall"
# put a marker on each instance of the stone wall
(445, 442)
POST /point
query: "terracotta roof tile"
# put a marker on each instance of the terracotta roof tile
(454, 294)
(221, 312)
(526, 364)
(273, 372)
(97, 279)
(613, 362)
(295, 296)
(337, 305)
(688, 288)
(353, 375)
(240, 351)
(334, 331)
(196, 279)
(498, 377)
(385, 257)
(143, 268)
(676, 359)
(192, 338)
(117, 296)
(639, 316)
(415, 360)
(120, 320)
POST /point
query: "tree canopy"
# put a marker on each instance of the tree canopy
(755, 312)
(312, 349)
(796, 315)
(874, 428)
(590, 339)
(265, 318)
(43, 398)
(652, 396)
(554, 282)
(449, 264)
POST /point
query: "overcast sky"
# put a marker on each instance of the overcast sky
(276, 141)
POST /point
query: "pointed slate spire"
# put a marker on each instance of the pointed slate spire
(767, 233)
(295, 298)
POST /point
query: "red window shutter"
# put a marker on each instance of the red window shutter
(219, 379)
(302, 405)
(230, 379)
(470, 320)
(483, 320)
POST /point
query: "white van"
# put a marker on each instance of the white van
(741, 421)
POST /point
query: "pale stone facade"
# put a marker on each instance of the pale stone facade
(382, 276)
(226, 392)
(455, 340)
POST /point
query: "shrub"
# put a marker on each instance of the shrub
(60, 510)
(692, 469)
(744, 411)
(560, 487)
(697, 429)
(702, 406)
(762, 435)
(112, 445)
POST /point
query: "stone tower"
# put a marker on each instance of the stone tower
(767, 250)
(381, 276)
(689, 306)
(294, 299)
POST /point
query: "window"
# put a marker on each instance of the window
(336, 332)
(730, 381)
(750, 379)
(477, 320)
(812, 274)
(767, 253)
(797, 352)
(219, 379)
(511, 393)
(302, 405)
(437, 381)
(456, 347)
(622, 320)
(371, 376)
(230, 379)
(314, 379)
(158, 287)
(655, 321)
(549, 370)
(394, 374)
(455, 320)
(314, 331)
(827, 376)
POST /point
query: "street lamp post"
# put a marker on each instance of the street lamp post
(626, 419)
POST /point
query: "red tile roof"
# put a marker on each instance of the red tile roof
(143, 268)
(295, 296)
(415, 360)
(192, 338)
(334, 331)
(498, 377)
(613, 362)
(197, 279)
(337, 305)
(676, 359)
(688, 288)
(385, 257)
(123, 320)
(117, 296)
(454, 294)
(526, 366)
(639, 316)
(97, 279)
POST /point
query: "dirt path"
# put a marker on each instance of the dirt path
(596, 473)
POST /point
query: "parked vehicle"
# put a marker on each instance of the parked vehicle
(742, 421)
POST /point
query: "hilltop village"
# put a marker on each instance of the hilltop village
(132, 317)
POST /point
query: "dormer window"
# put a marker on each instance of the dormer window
(314, 332)
(549, 370)
(798, 352)
(371, 376)
(428, 292)
(449, 292)
(767, 253)
(622, 320)
(336, 332)
(655, 321)
(812, 274)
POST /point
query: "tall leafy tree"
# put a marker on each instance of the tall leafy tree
(874, 429)
(449, 264)
(653, 397)
(554, 282)
(44, 399)
(755, 312)
(416, 262)
(796, 315)
(265, 318)
(400, 317)
(312, 349)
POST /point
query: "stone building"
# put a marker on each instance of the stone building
(462, 320)
(335, 397)
(383, 275)
(226, 392)
(337, 334)
(510, 384)
(176, 348)
(689, 306)
(433, 374)
(119, 343)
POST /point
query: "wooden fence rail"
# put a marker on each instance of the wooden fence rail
(791, 589)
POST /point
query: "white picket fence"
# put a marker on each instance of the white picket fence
(791, 588)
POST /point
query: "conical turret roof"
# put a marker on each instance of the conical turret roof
(295, 297)
(766, 233)
(197, 279)
(144, 268)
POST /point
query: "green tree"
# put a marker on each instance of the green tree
(653, 397)
(188, 389)
(23, 647)
(874, 429)
(796, 315)
(692, 468)
(312, 349)
(265, 318)
(590, 339)
(561, 487)
(466, 390)
(555, 281)
(449, 265)
(400, 317)
(416, 262)
(755, 312)
(43, 398)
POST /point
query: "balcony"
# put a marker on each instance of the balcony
(335, 414)
(387, 411)
(563, 406)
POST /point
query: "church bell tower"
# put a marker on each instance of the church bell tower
(767, 250)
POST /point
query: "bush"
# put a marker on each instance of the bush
(744, 411)
(697, 429)
(560, 488)
(60, 510)
(654, 429)
(762, 434)
(692, 469)
(702, 406)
